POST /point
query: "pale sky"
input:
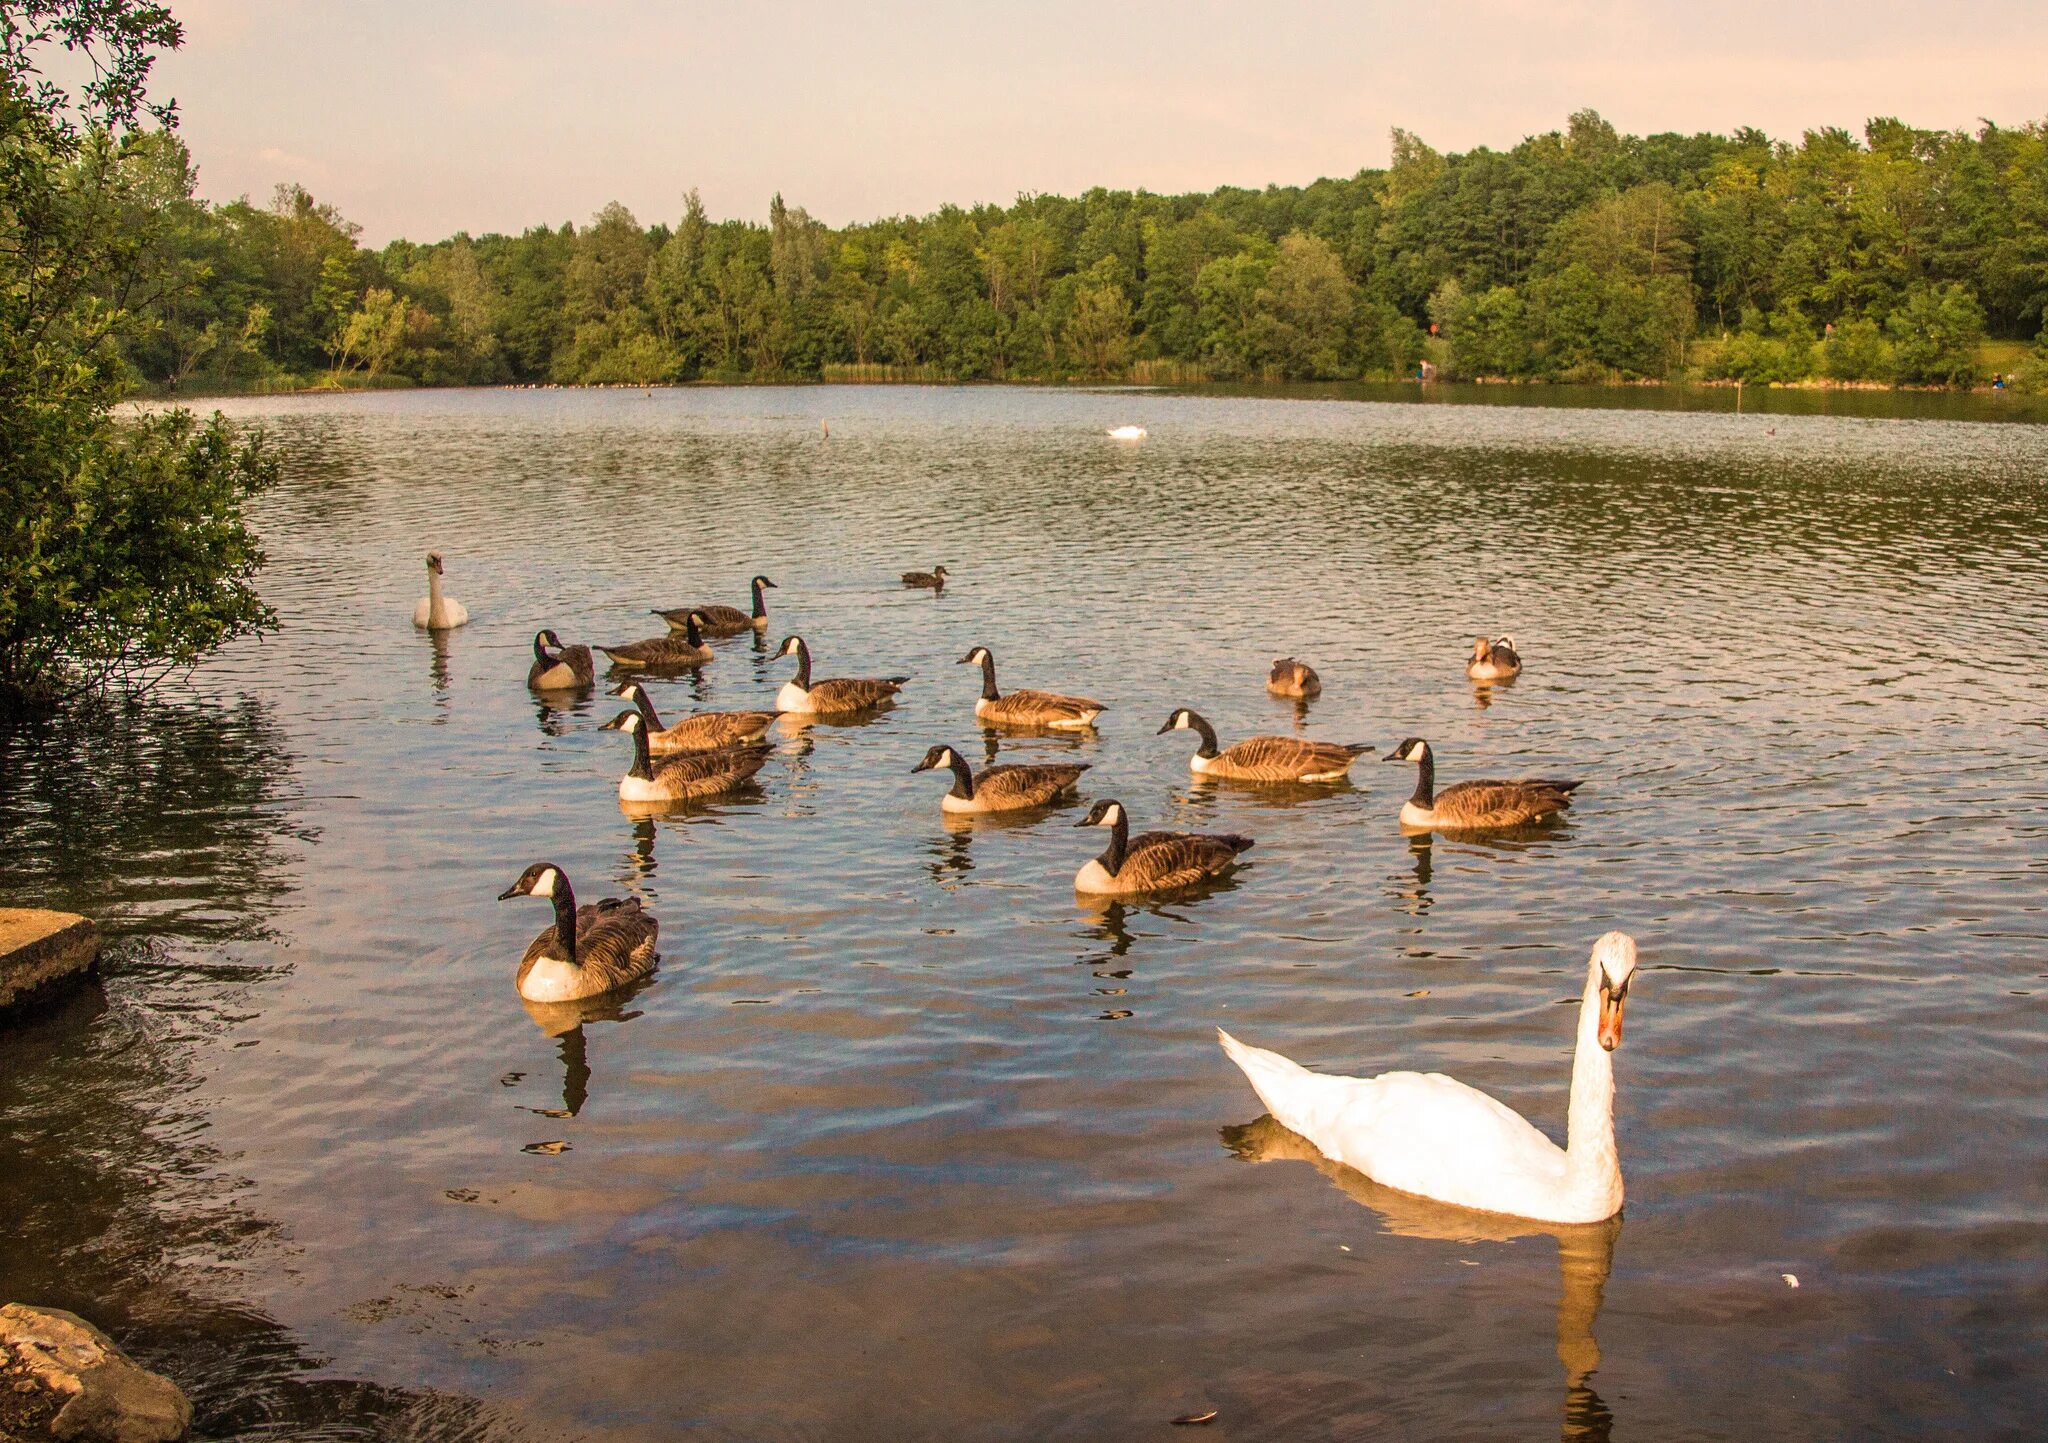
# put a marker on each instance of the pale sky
(419, 119)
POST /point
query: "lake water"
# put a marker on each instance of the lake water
(906, 1142)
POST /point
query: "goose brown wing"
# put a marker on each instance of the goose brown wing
(615, 941)
(1502, 804)
(1287, 759)
(1041, 706)
(702, 773)
(670, 650)
(1172, 859)
(845, 693)
(710, 729)
(721, 620)
(1025, 786)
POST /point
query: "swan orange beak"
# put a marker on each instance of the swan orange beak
(1611, 1004)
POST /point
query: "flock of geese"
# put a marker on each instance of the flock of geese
(1425, 1134)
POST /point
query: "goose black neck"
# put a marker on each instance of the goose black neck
(760, 601)
(963, 779)
(803, 667)
(642, 761)
(1425, 779)
(540, 652)
(988, 679)
(696, 637)
(565, 917)
(1206, 732)
(646, 705)
(1112, 857)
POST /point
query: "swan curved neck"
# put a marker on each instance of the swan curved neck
(565, 919)
(1113, 855)
(988, 680)
(1425, 779)
(963, 779)
(1592, 1164)
(1207, 733)
(433, 589)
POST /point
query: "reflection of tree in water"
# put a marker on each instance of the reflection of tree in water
(167, 822)
(1585, 1257)
(149, 816)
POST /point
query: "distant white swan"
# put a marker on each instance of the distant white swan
(435, 611)
(1127, 433)
(1431, 1135)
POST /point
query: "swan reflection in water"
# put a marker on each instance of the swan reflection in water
(437, 668)
(565, 1021)
(1585, 1256)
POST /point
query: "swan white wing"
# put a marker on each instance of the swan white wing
(1423, 1133)
(422, 613)
(1430, 1134)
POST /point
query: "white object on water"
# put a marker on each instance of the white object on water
(1127, 433)
(1435, 1137)
(1790, 1280)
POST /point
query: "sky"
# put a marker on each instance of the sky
(424, 118)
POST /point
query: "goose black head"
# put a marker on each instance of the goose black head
(764, 581)
(1105, 813)
(536, 881)
(1181, 720)
(1414, 749)
(980, 656)
(1614, 958)
(546, 637)
(791, 645)
(434, 561)
(630, 690)
(939, 756)
(626, 721)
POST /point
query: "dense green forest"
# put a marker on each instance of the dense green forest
(1581, 254)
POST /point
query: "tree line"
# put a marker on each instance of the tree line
(1579, 255)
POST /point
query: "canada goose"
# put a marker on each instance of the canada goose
(564, 668)
(933, 580)
(590, 950)
(1152, 861)
(1293, 678)
(1475, 806)
(1493, 660)
(436, 612)
(686, 776)
(839, 696)
(703, 732)
(663, 651)
(1027, 708)
(1000, 789)
(1433, 1136)
(1264, 759)
(723, 620)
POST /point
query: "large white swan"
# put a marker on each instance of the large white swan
(436, 612)
(1127, 433)
(1433, 1136)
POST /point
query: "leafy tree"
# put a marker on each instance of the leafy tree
(123, 544)
(1933, 335)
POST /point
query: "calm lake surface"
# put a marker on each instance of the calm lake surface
(906, 1142)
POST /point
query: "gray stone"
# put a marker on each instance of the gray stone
(38, 948)
(108, 1398)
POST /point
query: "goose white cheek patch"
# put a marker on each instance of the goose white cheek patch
(545, 887)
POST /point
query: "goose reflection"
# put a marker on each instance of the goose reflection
(1483, 692)
(1585, 1257)
(565, 1021)
(1411, 889)
(642, 864)
(952, 852)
